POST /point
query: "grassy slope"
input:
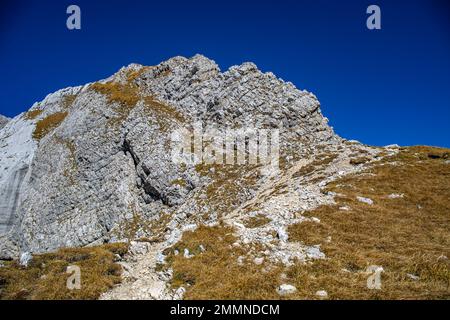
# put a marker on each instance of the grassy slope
(45, 277)
(408, 235)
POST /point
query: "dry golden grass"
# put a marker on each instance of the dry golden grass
(68, 101)
(134, 74)
(45, 278)
(33, 114)
(256, 221)
(132, 228)
(317, 165)
(127, 96)
(409, 235)
(228, 186)
(124, 94)
(48, 124)
(164, 115)
(215, 273)
(406, 236)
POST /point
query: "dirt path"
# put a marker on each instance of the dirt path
(140, 279)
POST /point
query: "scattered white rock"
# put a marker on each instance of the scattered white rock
(190, 227)
(313, 252)
(323, 184)
(176, 252)
(412, 276)
(187, 254)
(25, 258)
(365, 200)
(395, 196)
(160, 258)
(202, 248)
(322, 294)
(314, 219)
(178, 295)
(442, 258)
(240, 260)
(344, 208)
(138, 248)
(392, 146)
(282, 235)
(258, 261)
(286, 289)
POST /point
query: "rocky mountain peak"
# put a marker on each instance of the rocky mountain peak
(92, 157)
(98, 166)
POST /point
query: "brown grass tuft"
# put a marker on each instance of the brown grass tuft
(48, 124)
(32, 114)
(45, 278)
(256, 221)
(124, 94)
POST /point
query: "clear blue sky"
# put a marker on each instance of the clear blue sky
(379, 87)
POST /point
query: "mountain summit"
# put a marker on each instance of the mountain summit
(87, 158)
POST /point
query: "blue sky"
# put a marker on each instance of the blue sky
(380, 87)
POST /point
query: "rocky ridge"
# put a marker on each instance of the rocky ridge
(3, 121)
(92, 164)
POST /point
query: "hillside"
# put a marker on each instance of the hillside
(87, 177)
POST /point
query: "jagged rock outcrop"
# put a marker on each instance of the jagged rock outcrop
(3, 121)
(92, 164)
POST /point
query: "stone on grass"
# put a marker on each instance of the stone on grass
(322, 294)
(25, 258)
(395, 196)
(286, 289)
(365, 200)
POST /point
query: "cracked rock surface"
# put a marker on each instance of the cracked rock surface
(108, 162)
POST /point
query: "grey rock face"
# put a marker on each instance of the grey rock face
(3, 121)
(109, 161)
